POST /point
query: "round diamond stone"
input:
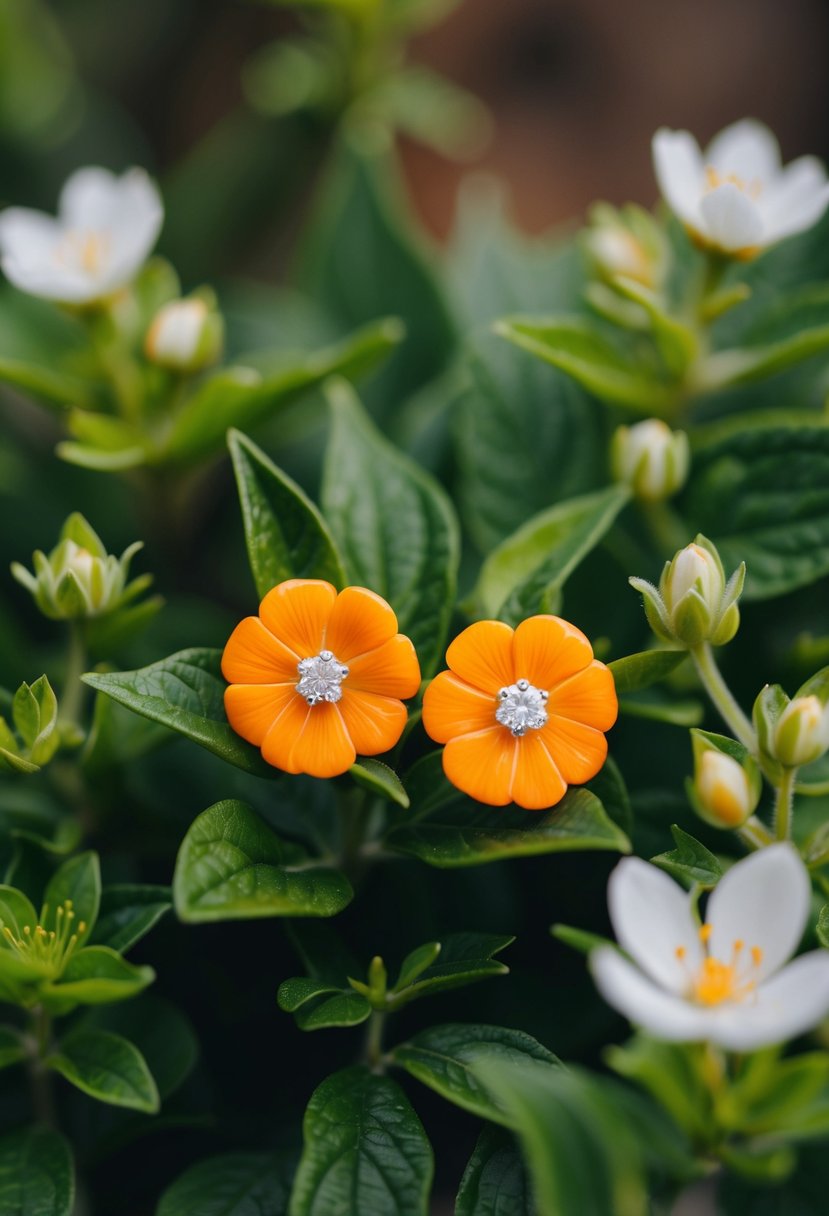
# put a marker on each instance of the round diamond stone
(320, 678)
(522, 707)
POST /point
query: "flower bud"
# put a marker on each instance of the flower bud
(79, 579)
(186, 335)
(650, 458)
(32, 738)
(625, 243)
(802, 732)
(723, 790)
(693, 604)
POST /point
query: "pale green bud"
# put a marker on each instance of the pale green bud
(693, 604)
(650, 458)
(802, 732)
(32, 739)
(625, 243)
(727, 783)
(79, 579)
(186, 335)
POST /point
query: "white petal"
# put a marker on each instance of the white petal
(679, 169)
(795, 206)
(631, 993)
(792, 1002)
(29, 244)
(651, 917)
(748, 149)
(731, 220)
(27, 236)
(127, 209)
(762, 901)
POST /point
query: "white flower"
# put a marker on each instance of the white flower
(723, 789)
(105, 228)
(729, 982)
(736, 196)
(650, 458)
(185, 335)
(802, 732)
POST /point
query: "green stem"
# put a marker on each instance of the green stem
(783, 804)
(755, 834)
(374, 1040)
(721, 695)
(43, 1102)
(71, 703)
(666, 529)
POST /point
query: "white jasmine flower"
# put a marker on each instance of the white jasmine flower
(728, 982)
(736, 196)
(105, 228)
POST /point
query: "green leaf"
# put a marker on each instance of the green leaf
(577, 348)
(822, 927)
(107, 1067)
(495, 1182)
(380, 779)
(579, 939)
(37, 1174)
(654, 705)
(231, 866)
(77, 880)
(285, 534)
(395, 526)
(446, 1058)
(525, 574)
(416, 962)
(463, 958)
(364, 1150)
(235, 1184)
(186, 693)
(464, 833)
(97, 975)
(581, 1153)
(241, 397)
(57, 389)
(746, 365)
(636, 671)
(690, 862)
(342, 1009)
(12, 1050)
(128, 912)
(762, 495)
(16, 911)
(159, 1030)
(297, 991)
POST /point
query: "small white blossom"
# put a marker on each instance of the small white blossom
(650, 458)
(728, 982)
(105, 228)
(185, 335)
(802, 732)
(737, 196)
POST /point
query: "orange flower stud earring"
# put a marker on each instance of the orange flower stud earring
(319, 677)
(522, 711)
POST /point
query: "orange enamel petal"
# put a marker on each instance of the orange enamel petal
(392, 670)
(482, 656)
(452, 707)
(360, 621)
(278, 744)
(324, 748)
(254, 656)
(482, 764)
(579, 751)
(297, 611)
(537, 782)
(374, 723)
(589, 697)
(252, 709)
(547, 650)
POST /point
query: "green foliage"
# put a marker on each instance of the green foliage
(690, 862)
(495, 1182)
(108, 1068)
(37, 1174)
(34, 739)
(236, 1184)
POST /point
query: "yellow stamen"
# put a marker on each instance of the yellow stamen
(704, 933)
(714, 179)
(756, 955)
(681, 952)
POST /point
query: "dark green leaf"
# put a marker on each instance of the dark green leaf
(416, 962)
(395, 526)
(690, 861)
(343, 1009)
(380, 779)
(128, 912)
(186, 693)
(231, 866)
(53, 388)
(822, 927)
(463, 958)
(364, 1151)
(159, 1030)
(12, 1050)
(79, 881)
(446, 1058)
(495, 1182)
(295, 992)
(285, 534)
(107, 1067)
(37, 1175)
(97, 975)
(579, 939)
(236, 1184)
(464, 833)
(641, 670)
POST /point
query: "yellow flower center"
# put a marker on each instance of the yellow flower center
(86, 251)
(714, 179)
(717, 982)
(50, 948)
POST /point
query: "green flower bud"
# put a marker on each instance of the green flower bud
(727, 783)
(625, 243)
(79, 579)
(650, 458)
(802, 732)
(693, 603)
(32, 739)
(186, 335)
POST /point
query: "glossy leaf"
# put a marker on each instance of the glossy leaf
(97, 975)
(690, 862)
(395, 526)
(579, 939)
(37, 1174)
(463, 958)
(446, 1058)
(822, 927)
(235, 1184)
(285, 534)
(79, 881)
(342, 1009)
(636, 671)
(232, 866)
(184, 692)
(107, 1067)
(380, 779)
(364, 1150)
(464, 833)
(495, 1182)
(128, 912)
